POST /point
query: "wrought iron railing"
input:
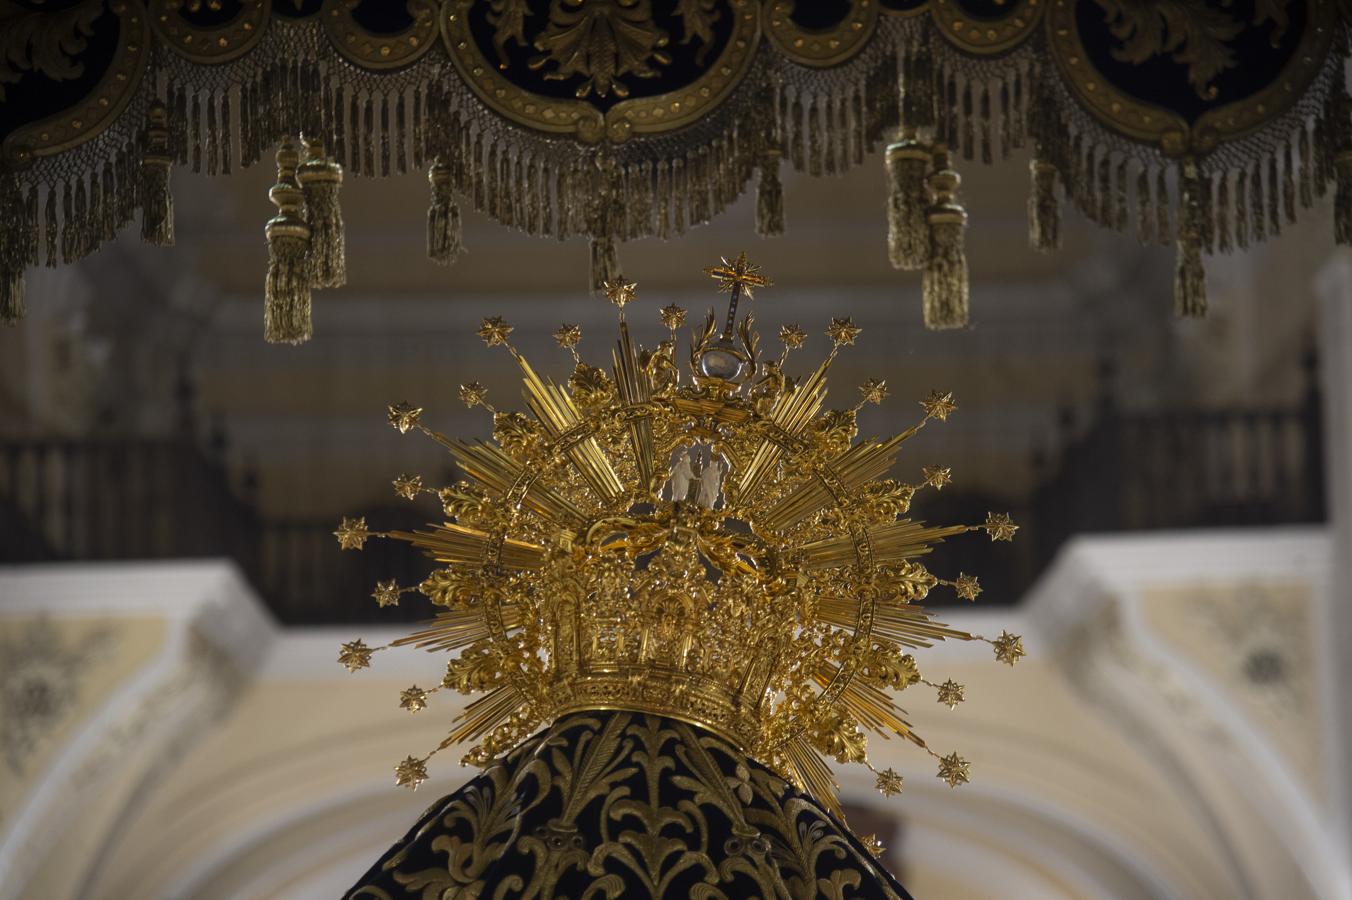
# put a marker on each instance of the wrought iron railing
(145, 498)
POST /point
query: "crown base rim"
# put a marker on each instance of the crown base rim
(718, 729)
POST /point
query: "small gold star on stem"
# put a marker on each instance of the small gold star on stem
(954, 770)
(873, 845)
(1000, 526)
(951, 694)
(888, 783)
(355, 655)
(405, 416)
(873, 391)
(387, 593)
(413, 699)
(568, 337)
(792, 336)
(739, 271)
(620, 292)
(408, 486)
(937, 476)
(411, 772)
(494, 331)
(1008, 648)
(473, 394)
(967, 586)
(939, 405)
(352, 533)
(843, 332)
(673, 316)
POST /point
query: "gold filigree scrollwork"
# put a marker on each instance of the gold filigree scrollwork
(610, 46)
(984, 36)
(1194, 35)
(372, 50)
(603, 43)
(37, 40)
(1146, 34)
(96, 110)
(820, 47)
(214, 44)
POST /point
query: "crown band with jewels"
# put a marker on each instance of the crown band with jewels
(721, 550)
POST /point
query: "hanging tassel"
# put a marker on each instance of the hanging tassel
(605, 265)
(321, 178)
(1222, 215)
(1241, 210)
(944, 284)
(14, 249)
(907, 163)
(1189, 273)
(12, 307)
(157, 201)
(770, 196)
(286, 313)
(1145, 214)
(1044, 208)
(445, 240)
(1339, 126)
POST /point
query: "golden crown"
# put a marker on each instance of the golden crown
(719, 549)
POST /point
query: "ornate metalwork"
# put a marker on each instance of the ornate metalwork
(721, 551)
(1200, 39)
(56, 43)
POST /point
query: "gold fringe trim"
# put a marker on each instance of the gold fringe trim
(769, 196)
(286, 311)
(1189, 273)
(1044, 208)
(18, 247)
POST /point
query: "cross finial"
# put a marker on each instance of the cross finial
(738, 277)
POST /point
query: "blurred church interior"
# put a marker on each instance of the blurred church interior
(173, 723)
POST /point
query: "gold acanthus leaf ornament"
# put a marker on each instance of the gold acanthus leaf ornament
(710, 544)
(44, 41)
(601, 41)
(1196, 34)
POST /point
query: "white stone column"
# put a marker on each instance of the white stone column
(1333, 285)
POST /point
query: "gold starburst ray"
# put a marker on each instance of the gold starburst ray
(634, 386)
(479, 717)
(890, 543)
(869, 705)
(906, 539)
(555, 410)
(495, 470)
(813, 775)
(452, 544)
(912, 627)
(791, 413)
(863, 462)
(453, 629)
